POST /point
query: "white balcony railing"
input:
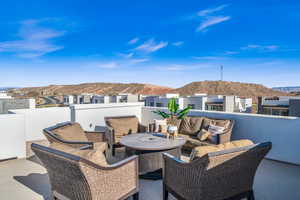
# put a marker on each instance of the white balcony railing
(283, 132)
(26, 125)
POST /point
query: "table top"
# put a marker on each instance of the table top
(151, 141)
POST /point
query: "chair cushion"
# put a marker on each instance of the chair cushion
(123, 125)
(61, 147)
(101, 146)
(193, 141)
(190, 125)
(203, 150)
(71, 132)
(95, 155)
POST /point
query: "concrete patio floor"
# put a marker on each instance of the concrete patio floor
(25, 179)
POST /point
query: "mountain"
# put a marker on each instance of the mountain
(208, 87)
(287, 89)
(7, 88)
(228, 88)
(97, 88)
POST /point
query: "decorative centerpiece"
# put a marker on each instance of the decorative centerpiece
(173, 117)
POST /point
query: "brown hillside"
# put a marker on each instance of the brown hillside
(209, 87)
(98, 88)
(228, 88)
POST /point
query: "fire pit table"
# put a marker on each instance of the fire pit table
(149, 147)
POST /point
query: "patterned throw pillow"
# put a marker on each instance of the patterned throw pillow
(216, 130)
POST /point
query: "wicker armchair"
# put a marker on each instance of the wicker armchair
(227, 174)
(119, 126)
(72, 134)
(74, 177)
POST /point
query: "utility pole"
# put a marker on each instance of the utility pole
(221, 73)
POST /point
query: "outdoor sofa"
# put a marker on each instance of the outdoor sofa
(193, 127)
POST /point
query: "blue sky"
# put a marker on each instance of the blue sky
(168, 42)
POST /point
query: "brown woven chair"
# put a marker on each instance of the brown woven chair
(120, 126)
(74, 177)
(221, 175)
(72, 134)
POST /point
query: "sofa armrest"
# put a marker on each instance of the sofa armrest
(226, 136)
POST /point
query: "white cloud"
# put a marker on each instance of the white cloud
(260, 47)
(230, 52)
(108, 65)
(210, 21)
(209, 11)
(177, 44)
(208, 57)
(151, 46)
(209, 17)
(183, 66)
(175, 68)
(35, 40)
(138, 60)
(133, 41)
(126, 55)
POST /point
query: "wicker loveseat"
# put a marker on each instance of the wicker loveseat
(85, 175)
(72, 134)
(119, 126)
(214, 175)
(191, 126)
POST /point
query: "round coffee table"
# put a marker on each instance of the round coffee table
(149, 147)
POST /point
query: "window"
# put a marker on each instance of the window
(159, 105)
(192, 106)
(280, 112)
(214, 107)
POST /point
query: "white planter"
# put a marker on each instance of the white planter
(172, 129)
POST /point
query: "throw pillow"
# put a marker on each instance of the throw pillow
(203, 150)
(203, 135)
(190, 125)
(216, 130)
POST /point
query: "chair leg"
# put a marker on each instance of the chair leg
(136, 196)
(113, 151)
(251, 195)
(165, 193)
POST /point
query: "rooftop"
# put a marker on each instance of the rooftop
(26, 179)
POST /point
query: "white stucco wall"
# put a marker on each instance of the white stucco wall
(12, 142)
(92, 115)
(38, 119)
(283, 132)
(25, 125)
